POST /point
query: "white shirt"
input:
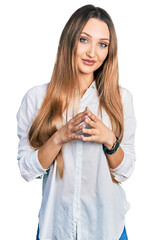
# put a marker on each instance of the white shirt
(86, 200)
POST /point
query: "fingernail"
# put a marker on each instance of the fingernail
(82, 137)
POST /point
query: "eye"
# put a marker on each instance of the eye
(83, 40)
(103, 45)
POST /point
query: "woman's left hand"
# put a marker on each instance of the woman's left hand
(99, 131)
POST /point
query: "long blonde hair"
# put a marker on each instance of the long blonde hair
(60, 91)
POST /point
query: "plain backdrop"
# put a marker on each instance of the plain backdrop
(30, 32)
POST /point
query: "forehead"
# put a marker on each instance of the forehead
(96, 28)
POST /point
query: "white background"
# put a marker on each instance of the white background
(30, 32)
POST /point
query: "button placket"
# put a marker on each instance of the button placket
(77, 188)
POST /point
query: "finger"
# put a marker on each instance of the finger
(91, 115)
(77, 128)
(78, 120)
(89, 122)
(79, 117)
(76, 137)
(88, 139)
(89, 131)
(80, 114)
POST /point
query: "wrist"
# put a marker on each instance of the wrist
(111, 141)
(114, 147)
(57, 139)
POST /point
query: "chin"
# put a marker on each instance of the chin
(86, 70)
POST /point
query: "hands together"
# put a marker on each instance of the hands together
(99, 132)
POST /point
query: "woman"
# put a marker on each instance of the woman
(77, 132)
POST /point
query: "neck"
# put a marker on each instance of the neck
(85, 81)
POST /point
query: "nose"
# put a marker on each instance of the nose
(91, 51)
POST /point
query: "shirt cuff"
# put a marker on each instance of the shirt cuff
(125, 169)
(35, 166)
(37, 163)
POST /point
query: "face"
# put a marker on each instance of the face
(92, 47)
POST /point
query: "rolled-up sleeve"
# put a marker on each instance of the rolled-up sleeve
(29, 165)
(125, 169)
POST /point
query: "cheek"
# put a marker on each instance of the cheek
(80, 50)
(103, 56)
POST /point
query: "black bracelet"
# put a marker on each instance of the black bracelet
(113, 149)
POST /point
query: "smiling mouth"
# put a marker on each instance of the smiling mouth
(88, 62)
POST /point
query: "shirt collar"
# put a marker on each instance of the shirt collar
(93, 85)
(88, 91)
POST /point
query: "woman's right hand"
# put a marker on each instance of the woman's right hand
(68, 132)
(49, 150)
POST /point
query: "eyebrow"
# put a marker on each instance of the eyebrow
(90, 36)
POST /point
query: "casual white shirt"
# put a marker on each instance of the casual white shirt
(85, 202)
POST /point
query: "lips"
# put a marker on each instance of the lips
(88, 62)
